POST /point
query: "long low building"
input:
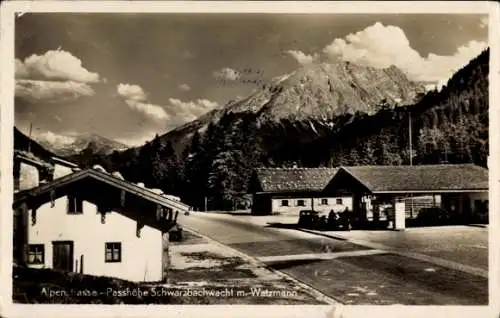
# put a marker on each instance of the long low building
(462, 188)
(290, 190)
(459, 189)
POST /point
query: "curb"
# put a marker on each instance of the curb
(316, 293)
(484, 226)
(336, 237)
(417, 256)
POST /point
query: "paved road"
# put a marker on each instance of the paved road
(350, 273)
(462, 244)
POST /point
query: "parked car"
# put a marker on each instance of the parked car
(308, 218)
(433, 216)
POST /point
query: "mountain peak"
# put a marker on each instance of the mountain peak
(75, 143)
(328, 89)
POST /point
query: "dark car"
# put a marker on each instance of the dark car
(433, 216)
(308, 218)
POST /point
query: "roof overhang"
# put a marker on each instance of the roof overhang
(434, 191)
(290, 192)
(37, 163)
(63, 162)
(105, 178)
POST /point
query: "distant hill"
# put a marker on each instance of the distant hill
(97, 143)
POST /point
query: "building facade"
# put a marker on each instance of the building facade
(290, 190)
(94, 223)
(71, 235)
(292, 205)
(454, 193)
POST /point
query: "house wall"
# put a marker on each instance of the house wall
(481, 196)
(141, 258)
(261, 204)
(294, 208)
(29, 176)
(455, 199)
(61, 171)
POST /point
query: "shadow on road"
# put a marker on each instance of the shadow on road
(288, 264)
(279, 225)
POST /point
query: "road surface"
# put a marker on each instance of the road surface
(351, 273)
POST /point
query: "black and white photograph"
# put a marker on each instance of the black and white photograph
(249, 158)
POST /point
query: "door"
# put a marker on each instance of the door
(62, 255)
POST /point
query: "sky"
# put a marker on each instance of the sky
(130, 76)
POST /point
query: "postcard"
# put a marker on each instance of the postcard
(323, 159)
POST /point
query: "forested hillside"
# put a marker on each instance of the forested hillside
(449, 126)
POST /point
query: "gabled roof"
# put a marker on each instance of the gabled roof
(104, 178)
(293, 179)
(420, 178)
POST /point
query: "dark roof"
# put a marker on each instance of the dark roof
(294, 179)
(449, 177)
(101, 177)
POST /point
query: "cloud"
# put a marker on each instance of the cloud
(301, 57)
(131, 92)
(153, 111)
(55, 139)
(135, 97)
(382, 46)
(483, 23)
(184, 87)
(188, 111)
(54, 65)
(227, 74)
(51, 92)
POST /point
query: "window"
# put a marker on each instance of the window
(75, 205)
(284, 202)
(339, 201)
(36, 254)
(113, 252)
(324, 201)
(301, 203)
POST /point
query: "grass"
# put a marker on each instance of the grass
(226, 269)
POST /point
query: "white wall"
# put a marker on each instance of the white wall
(61, 171)
(141, 257)
(28, 177)
(292, 207)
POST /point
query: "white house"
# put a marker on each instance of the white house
(93, 223)
(287, 205)
(290, 190)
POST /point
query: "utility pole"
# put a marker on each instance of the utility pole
(29, 135)
(409, 137)
(411, 157)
